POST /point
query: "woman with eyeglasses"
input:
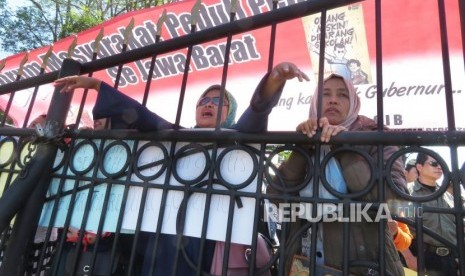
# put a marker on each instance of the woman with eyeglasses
(126, 113)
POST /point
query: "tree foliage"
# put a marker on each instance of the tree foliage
(42, 22)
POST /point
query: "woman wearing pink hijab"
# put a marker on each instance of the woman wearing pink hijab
(346, 172)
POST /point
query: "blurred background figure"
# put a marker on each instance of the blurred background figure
(100, 124)
(38, 120)
(411, 174)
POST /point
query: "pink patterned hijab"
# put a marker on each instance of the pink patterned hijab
(353, 98)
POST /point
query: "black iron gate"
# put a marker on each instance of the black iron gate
(75, 163)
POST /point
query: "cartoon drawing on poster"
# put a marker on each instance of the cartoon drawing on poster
(357, 75)
(346, 49)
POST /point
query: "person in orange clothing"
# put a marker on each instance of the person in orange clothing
(401, 234)
(402, 241)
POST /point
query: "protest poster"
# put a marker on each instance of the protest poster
(237, 170)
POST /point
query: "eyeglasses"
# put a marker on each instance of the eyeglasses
(215, 100)
(434, 163)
